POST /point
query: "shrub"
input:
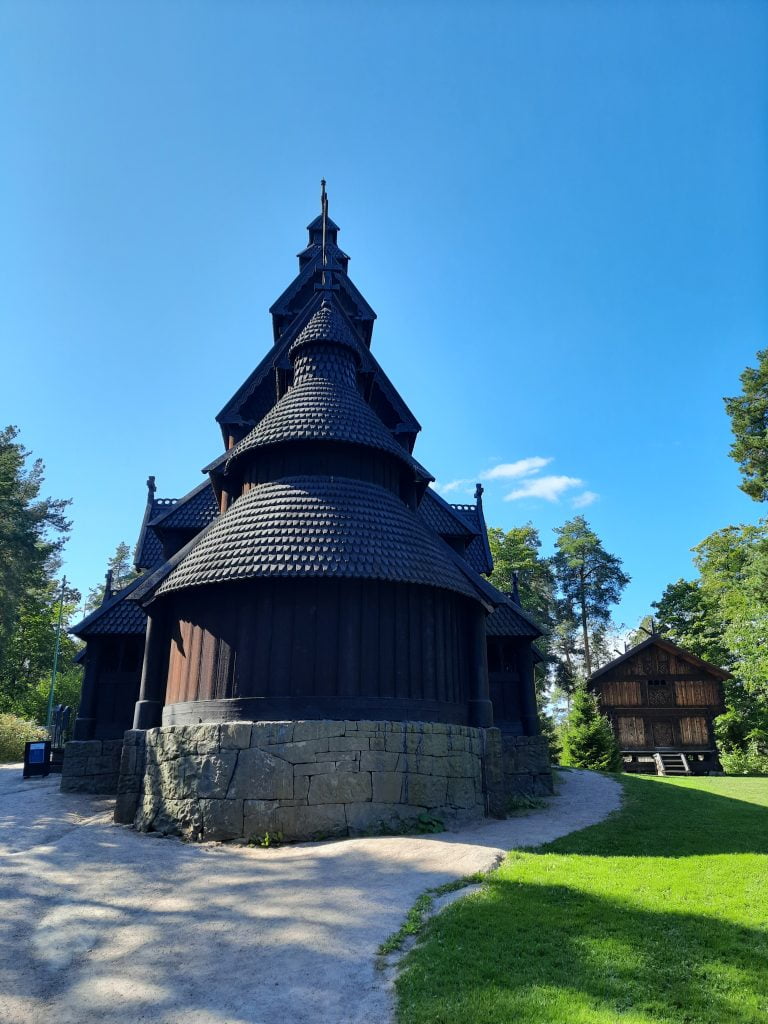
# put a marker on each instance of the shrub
(752, 760)
(588, 740)
(14, 733)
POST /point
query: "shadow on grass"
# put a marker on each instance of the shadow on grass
(549, 953)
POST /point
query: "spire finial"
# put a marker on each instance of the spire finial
(324, 214)
(327, 268)
(479, 493)
(107, 586)
(516, 589)
(151, 488)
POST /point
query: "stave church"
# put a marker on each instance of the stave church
(312, 643)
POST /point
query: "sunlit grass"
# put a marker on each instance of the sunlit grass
(657, 916)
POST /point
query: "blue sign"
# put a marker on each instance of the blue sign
(36, 753)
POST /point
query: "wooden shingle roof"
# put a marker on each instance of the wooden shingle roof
(319, 526)
(670, 648)
(116, 616)
(509, 619)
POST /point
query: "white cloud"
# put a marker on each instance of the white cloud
(514, 470)
(453, 485)
(550, 488)
(585, 499)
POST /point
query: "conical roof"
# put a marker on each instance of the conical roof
(326, 325)
(324, 403)
(323, 410)
(319, 526)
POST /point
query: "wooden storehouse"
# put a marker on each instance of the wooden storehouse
(661, 701)
(314, 573)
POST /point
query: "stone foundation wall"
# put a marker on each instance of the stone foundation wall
(318, 779)
(526, 766)
(91, 766)
(130, 785)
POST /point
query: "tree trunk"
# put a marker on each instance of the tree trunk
(584, 630)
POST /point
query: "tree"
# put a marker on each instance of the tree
(689, 615)
(26, 658)
(589, 581)
(588, 740)
(123, 573)
(32, 533)
(733, 568)
(517, 551)
(32, 530)
(749, 423)
(723, 617)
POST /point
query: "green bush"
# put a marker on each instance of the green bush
(14, 733)
(588, 740)
(752, 760)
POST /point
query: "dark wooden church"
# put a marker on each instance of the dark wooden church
(661, 701)
(314, 574)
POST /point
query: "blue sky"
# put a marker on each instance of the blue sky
(558, 210)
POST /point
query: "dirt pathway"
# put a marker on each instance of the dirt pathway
(100, 924)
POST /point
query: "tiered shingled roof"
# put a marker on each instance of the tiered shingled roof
(324, 404)
(441, 517)
(319, 526)
(192, 512)
(478, 552)
(290, 314)
(509, 619)
(116, 616)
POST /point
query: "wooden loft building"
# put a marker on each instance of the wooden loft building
(661, 701)
(314, 573)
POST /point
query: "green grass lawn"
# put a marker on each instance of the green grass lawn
(660, 914)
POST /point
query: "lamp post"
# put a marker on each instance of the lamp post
(56, 654)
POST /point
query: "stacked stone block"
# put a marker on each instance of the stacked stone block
(91, 766)
(526, 766)
(305, 780)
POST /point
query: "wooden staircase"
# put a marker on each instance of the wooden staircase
(672, 763)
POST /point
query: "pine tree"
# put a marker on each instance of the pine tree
(589, 580)
(588, 741)
(749, 423)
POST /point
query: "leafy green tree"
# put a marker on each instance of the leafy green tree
(589, 581)
(749, 423)
(722, 616)
(32, 533)
(588, 741)
(123, 573)
(733, 571)
(26, 658)
(517, 551)
(689, 615)
(32, 529)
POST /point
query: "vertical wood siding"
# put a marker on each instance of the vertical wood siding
(631, 731)
(693, 731)
(696, 693)
(622, 694)
(324, 637)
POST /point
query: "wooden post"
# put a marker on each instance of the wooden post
(85, 723)
(528, 712)
(480, 706)
(149, 706)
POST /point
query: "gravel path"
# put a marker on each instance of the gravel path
(101, 924)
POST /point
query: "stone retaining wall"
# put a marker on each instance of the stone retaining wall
(310, 779)
(91, 766)
(526, 765)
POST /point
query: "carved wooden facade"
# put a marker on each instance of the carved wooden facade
(660, 698)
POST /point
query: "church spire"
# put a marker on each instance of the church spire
(328, 263)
